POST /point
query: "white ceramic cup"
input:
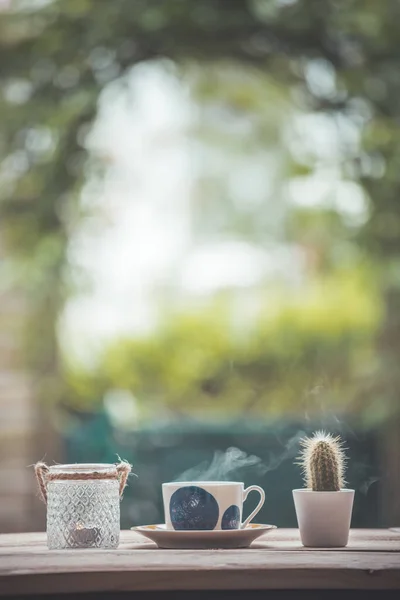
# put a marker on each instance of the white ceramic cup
(207, 505)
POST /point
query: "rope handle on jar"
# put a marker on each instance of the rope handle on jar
(123, 470)
(43, 476)
(41, 470)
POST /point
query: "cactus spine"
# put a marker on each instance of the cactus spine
(323, 462)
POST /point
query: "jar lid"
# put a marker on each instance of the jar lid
(81, 471)
(80, 468)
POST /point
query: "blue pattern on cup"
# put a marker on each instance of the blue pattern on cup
(231, 518)
(191, 507)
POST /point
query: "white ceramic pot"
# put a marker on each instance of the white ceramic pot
(324, 517)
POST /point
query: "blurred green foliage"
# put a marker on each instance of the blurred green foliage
(57, 56)
(298, 354)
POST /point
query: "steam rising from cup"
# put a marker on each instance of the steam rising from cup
(225, 466)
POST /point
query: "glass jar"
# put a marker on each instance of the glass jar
(83, 504)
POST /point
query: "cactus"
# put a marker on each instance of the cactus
(323, 462)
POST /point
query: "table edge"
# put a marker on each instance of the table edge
(191, 579)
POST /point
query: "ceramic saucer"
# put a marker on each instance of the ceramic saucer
(229, 538)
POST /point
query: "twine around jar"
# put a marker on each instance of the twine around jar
(44, 475)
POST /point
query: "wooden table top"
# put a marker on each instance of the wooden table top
(278, 561)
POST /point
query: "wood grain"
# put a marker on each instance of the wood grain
(371, 562)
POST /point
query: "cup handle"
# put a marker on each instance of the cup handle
(253, 488)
